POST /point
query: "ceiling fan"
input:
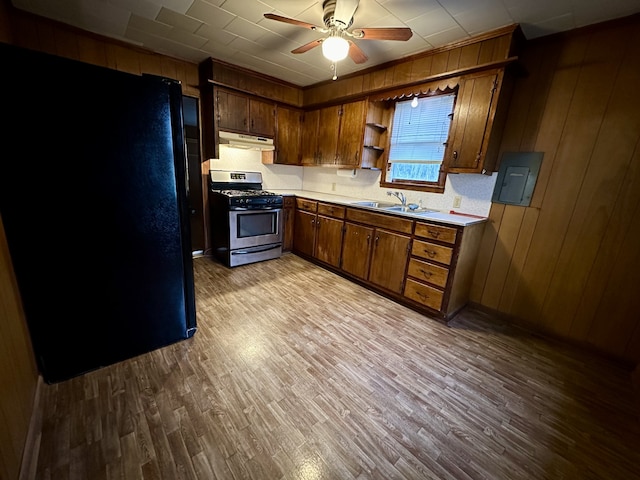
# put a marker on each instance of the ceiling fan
(337, 18)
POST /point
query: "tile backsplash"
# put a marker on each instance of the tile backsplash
(474, 190)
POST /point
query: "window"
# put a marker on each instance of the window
(418, 140)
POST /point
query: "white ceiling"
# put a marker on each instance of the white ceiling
(236, 31)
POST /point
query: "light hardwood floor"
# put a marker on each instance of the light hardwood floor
(296, 373)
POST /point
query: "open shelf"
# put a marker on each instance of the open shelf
(377, 126)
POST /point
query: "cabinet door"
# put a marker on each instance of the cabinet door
(288, 213)
(389, 260)
(328, 240)
(309, 139)
(287, 136)
(262, 118)
(472, 123)
(232, 111)
(328, 128)
(304, 232)
(351, 133)
(355, 249)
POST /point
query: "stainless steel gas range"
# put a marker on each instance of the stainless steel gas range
(246, 221)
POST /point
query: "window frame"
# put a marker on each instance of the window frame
(435, 187)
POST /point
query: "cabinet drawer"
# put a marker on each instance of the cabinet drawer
(424, 294)
(436, 232)
(331, 210)
(428, 273)
(306, 205)
(379, 220)
(289, 202)
(431, 251)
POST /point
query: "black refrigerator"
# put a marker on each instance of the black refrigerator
(93, 199)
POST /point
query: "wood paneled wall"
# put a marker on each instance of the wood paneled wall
(37, 33)
(482, 52)
(18, 371)
(569, 265)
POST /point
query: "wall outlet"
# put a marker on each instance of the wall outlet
(457, 200)
(333, 187)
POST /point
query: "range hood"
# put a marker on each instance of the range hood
(246, 141)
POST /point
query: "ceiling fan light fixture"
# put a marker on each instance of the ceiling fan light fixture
(335, 48)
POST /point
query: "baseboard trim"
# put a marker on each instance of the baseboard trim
(28, 468)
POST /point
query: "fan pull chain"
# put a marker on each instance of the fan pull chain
(334, 67)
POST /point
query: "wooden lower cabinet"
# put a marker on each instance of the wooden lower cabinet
(427, 266)
(389, 256)
(441, 266)
(318, 231)
(328, 240)
(288, 216)
(375, 255)
(425, 294)
(428, 272)
(356, 247)
(305, 232)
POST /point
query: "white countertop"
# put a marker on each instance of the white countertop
(441, 217)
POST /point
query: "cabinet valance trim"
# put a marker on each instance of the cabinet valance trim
(423, 89)
(445, 78)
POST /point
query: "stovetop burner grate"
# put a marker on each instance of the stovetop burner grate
(245, 193)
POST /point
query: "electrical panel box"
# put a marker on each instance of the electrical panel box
(517, 178)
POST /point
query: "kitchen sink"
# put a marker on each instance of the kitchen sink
(394, 207)
(406, 209)
(397, 208)
(366, 203)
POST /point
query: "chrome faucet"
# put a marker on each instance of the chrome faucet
(400, 197)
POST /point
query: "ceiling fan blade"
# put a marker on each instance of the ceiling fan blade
(344, 11)
(308, 46)
(292, 21)
(392, 33)
(356, 54)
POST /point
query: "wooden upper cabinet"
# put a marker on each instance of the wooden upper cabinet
(288, 128)
(262, 119)
(232, 111)
(309, 137)
(477, 123)
(333, 135)
(351, 134)
(376, 134)
(328, 130)
(244, 114)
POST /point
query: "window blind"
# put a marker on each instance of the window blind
(419, 133)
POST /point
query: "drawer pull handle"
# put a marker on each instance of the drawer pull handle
(434, 233)
(430, 253)
(423, 296)
(426, 274)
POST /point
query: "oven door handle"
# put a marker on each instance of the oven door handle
(235, 209)
(247, 252)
